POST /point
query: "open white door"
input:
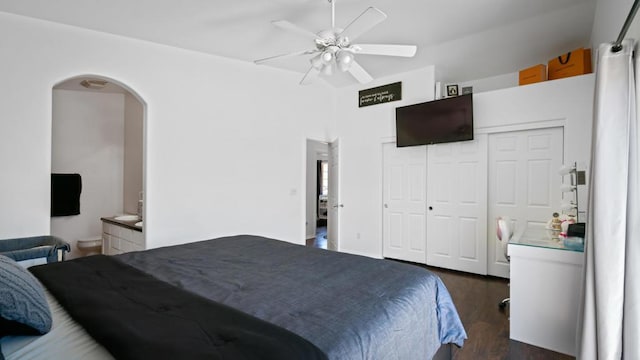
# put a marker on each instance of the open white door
(333, 198)
(523, 184)
(457, 205)
(404, 202)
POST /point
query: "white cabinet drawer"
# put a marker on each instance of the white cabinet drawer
(107, 228)
(117, 239)
(115, 243)
(106, 243)
(125, 233)
(137, 238)
(126, 246)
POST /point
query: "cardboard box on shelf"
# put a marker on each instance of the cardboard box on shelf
(575, 62)
(533, 74)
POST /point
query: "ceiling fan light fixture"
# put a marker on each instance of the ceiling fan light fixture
(344, 60)
(343, 41)
(327, 56)
(333, 47)
(344, 66)
(328, 69)
(93, 84)
(317, 62)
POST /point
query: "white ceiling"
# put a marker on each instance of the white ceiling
(464, 39)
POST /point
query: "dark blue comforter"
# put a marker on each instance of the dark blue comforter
(136, 316)
(349, 306)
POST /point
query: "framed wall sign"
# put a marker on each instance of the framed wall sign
(380, 94)
(452, 90)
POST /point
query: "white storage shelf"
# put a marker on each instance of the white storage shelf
(119, 239)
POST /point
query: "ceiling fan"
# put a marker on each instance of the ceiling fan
(334, 47)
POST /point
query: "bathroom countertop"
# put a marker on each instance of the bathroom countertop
(127, 224)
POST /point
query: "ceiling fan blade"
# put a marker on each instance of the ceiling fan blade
(286, 25)
(359, 73)
(385, 49)
(284, 56)
(310, 76)
(367, 20)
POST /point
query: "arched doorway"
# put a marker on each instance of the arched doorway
(98, 142)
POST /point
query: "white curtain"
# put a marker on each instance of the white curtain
(610, 319)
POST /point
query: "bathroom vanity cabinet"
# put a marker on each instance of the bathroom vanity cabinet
(120, 237)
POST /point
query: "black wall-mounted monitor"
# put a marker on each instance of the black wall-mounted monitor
(434, 122)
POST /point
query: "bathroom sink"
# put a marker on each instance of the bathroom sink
(127, 218)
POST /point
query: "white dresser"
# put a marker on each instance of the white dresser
(119, 237)
(545, 291)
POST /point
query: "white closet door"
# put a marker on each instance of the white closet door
(457, 205)
(523, 183)
(404, 203)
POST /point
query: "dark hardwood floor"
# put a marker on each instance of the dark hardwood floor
(320, 241)
(476, 297)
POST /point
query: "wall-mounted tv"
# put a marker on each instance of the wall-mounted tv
(434, 122)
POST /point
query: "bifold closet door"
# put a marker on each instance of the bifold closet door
(457, 205)
(524, 184)
(404, 202)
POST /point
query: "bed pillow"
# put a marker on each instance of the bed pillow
(23, 306)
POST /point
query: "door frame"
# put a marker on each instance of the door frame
(145, 143)
(333, 229)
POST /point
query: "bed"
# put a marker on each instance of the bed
(346, 306)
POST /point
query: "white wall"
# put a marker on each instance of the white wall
(362, 132)
(491, 83)
(87, 138)
(609, 18)
(133, 164)
(225, 139)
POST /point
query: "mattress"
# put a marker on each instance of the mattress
(66, 340)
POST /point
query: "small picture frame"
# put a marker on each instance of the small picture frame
(452, 90)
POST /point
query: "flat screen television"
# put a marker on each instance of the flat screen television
(435, 122)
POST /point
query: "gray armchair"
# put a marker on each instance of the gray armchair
(20, 249)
